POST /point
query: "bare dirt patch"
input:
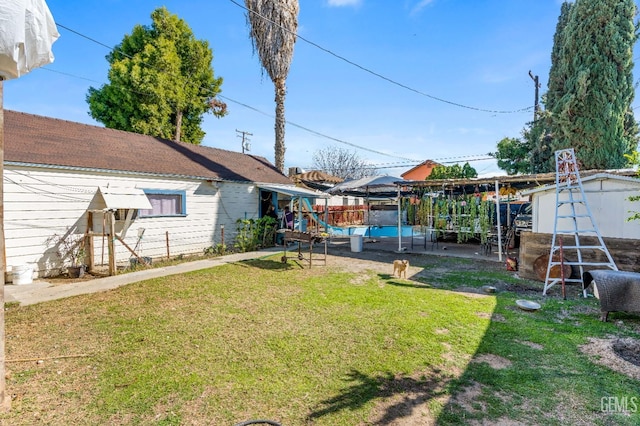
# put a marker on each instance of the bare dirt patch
(467, 398)
(496, 362)
(531, 344)
(405, 400)
(621, 355)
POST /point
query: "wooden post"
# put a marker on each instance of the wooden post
(5, 400)
(104, 227)
(88, 243)
(140, 259)
(111, 243)
(166, 236)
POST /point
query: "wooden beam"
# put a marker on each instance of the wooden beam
(141, 260)
(111, 243)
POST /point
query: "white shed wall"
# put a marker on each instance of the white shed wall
(40, 202)
(607, 200)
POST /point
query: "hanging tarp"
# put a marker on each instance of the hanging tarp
(27, 31)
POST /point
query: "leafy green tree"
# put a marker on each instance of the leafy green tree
(592, 111)
(161, 82)
(454, 171)
(273, 25)
(513, 155)
(526, 154)
(634, 159)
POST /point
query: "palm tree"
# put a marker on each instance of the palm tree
(273, 25)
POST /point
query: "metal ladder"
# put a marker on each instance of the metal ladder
(575, 222)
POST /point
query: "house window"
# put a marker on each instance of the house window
(165, 203)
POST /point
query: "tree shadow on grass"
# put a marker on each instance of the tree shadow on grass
(399, 396)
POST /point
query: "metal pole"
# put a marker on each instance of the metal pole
(499, 222)
(5, 400)
(399, 222)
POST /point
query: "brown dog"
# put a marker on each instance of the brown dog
(401, 267)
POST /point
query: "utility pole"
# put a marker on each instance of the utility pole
(245, 140)
(537, 84)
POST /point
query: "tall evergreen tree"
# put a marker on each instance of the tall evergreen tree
(161, 82)
(593, 113)
(541, 154)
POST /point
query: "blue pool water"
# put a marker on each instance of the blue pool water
(377, 231)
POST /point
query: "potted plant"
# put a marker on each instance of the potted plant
(71, 250)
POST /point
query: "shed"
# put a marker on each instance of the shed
(607, 196)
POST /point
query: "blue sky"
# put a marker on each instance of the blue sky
(396, 81)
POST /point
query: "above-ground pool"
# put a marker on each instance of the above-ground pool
(376, 231)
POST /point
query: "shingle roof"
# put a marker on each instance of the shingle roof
(48, 141)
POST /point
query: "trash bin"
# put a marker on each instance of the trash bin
(22, 274)
(356, 243)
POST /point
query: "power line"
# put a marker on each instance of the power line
(387, 79)
(410, 160)
(222, 97)
(442, 161)
(253, 109)
(306, 129)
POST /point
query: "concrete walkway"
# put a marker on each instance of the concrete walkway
(42, 291)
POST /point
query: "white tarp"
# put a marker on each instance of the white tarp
(27, 31)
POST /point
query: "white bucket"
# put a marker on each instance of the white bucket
(22, 274)
(356, 243)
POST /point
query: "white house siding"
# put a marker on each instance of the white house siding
(608, 201)
(40, 202)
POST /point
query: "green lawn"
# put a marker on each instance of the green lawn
(262, 339)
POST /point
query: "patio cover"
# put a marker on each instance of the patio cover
(293, 191)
